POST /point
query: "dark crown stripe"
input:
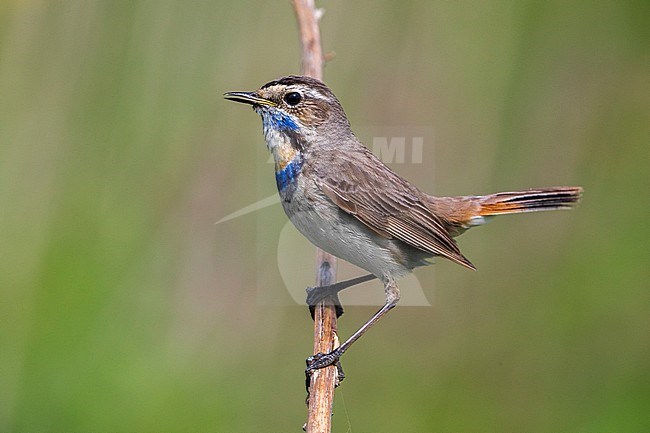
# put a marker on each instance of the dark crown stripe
(298, 79)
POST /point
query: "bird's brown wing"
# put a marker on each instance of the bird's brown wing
(364, 187)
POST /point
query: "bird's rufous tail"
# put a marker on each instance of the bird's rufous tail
(461, 213)
(529, 201)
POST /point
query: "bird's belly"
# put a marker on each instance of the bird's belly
(342, 235)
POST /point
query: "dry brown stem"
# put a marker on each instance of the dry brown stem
(323, 381)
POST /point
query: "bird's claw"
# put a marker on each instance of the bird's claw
(322, 360)
(317, 294)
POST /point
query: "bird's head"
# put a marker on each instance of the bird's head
(295, 108)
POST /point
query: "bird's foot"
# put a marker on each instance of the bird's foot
(322, 360)
(317, 294)
(340, 374)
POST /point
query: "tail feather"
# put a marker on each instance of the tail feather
(529, 201)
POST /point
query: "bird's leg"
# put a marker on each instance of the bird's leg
(317, 294)
(321, 360)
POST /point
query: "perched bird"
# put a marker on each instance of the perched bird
(350, 204)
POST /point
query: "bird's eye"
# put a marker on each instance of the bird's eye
(292, 98)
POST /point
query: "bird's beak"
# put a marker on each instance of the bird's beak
(251, 98)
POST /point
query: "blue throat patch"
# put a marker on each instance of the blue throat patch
(280, 121)
(288, 174)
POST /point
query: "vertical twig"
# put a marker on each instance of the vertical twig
(323, 381)
(312, 52)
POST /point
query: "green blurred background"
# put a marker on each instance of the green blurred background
(124, 308)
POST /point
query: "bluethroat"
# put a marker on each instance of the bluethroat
(350, 204)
